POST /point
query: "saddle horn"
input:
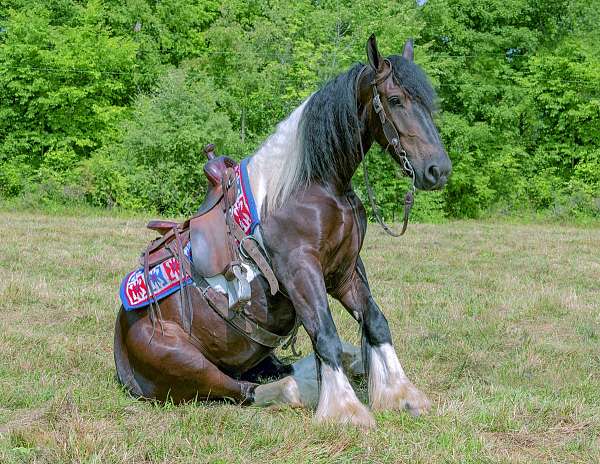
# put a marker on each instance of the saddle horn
(209, 151)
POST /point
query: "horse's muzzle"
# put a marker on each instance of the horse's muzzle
(435, 173)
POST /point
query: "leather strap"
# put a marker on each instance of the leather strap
(234, 316)
(247, 245)
(251, 329)
(408, 204)
(154, 308)
(398, 154)
(162, 227)
(185, 300)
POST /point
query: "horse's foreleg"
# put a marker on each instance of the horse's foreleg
(302, 387)
(389, 387)
(337, 400)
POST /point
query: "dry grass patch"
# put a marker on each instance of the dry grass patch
(498, 323)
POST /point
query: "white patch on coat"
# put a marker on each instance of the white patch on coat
(273, 168)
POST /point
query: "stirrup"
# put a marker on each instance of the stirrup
(244, 290)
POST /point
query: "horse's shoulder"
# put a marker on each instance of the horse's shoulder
(316, 221)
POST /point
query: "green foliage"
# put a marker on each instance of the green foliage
(99, 99)
(519, 92)
(156, 161)
(561, 122)
(52, 114)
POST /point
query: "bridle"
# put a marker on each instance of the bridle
(399, 153)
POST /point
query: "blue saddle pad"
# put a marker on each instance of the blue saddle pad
(164, 278)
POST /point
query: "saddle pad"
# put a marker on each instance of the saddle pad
(164, 279)
(244, 209)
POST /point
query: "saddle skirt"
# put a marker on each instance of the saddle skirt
(164, 278)
(168, 276)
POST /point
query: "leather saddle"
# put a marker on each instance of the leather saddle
(215, 238)
(212, 251)
(218, 248)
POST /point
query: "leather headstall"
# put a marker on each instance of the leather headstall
(398, 154)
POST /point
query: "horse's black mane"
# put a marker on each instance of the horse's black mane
(329, 125)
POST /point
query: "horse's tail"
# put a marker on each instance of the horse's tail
(124, 370)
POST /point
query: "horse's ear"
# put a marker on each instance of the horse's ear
(375, 59)
(408, 51)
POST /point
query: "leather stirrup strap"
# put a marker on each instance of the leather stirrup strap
(154, 310)
(250, 248)
(236, 318)
(247, 244)
(185, 302)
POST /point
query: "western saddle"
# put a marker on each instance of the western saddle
(219, 247)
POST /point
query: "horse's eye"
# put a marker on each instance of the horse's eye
(395, 101)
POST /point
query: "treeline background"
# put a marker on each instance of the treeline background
(109, 102)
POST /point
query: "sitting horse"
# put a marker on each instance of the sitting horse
(312, 226)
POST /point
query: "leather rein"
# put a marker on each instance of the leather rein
(399, 153)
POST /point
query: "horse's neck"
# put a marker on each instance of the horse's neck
(277, 159)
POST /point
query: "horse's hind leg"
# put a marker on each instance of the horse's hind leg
(270, 368)
(171, 367)
(389, 387)
(302, 387)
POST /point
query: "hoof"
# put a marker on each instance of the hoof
(416, 402)
(354, 413)
(282, 392)
(403, 396)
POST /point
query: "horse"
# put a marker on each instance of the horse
(312, 226)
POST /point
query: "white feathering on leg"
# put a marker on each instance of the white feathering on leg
(338, 402)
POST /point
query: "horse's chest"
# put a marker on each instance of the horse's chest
(327, 227)
(345, 242)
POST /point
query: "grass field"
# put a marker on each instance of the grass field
(499, 324)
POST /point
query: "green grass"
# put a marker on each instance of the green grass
(498, 323)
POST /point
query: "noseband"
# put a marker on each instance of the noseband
(399, 153)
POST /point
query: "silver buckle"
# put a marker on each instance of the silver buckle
(377, 106)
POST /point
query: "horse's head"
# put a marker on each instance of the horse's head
(399, 104)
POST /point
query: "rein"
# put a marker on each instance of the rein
(399, 155)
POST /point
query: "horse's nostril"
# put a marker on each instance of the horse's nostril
(432, 174)
(435, 174)
(434, 171)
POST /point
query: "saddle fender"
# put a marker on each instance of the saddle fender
(211, 249)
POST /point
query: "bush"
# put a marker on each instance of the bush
(156, 162)
(15, 174)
